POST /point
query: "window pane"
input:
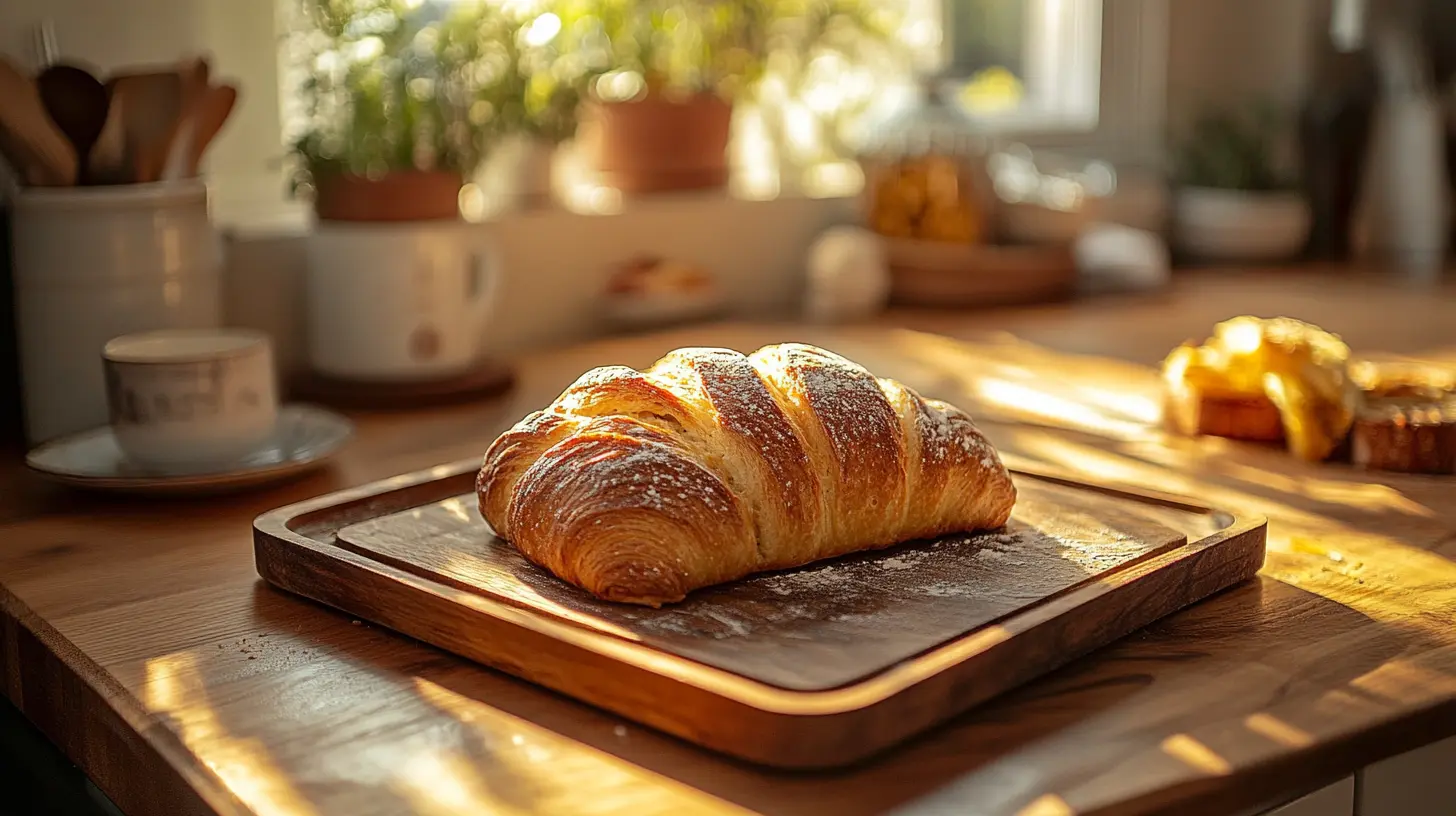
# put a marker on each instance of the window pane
(987, 34)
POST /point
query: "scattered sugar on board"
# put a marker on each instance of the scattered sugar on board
(950, 589)
(735, 626)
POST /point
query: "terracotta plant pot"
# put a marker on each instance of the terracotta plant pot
(403, 196)
(658, 144)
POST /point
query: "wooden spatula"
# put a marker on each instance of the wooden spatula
(108, 161)
(151, 105)
(212, 113)
(30, 141)
(196, 75)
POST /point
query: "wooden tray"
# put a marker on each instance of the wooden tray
(815, 667)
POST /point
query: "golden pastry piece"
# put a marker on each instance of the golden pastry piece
(1398, 379)
(640, 487)
(1298, 368)
(1406, 435)
(1407, 420)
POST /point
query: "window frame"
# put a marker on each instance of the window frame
(1132, 65)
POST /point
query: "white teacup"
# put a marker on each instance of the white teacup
(190, 398)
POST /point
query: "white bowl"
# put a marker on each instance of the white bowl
(1027, 223)
(1233, 225)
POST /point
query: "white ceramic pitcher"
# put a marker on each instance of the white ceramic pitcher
(399, 301)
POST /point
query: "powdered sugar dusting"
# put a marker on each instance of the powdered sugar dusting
(946, 432)
(595, 472)
(852, 408)
(966, 567)
(746, 407)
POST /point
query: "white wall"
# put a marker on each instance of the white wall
(1229, 52)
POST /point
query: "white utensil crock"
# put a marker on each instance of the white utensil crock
(399, 302)
(95, 263)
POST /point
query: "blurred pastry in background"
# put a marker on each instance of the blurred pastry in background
(1401, 379)
(649, 291)
(1406, 422)
(1254, 370)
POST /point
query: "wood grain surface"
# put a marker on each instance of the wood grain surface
(816, 667)
(138, 636)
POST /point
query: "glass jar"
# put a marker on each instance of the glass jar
(925, 174)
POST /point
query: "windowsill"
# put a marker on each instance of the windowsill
(555, 262)
(255, 208)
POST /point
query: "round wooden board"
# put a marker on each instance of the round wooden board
(923, 273)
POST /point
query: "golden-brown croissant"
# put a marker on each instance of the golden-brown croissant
(640, 487)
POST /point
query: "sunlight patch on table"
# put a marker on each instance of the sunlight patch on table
(1047, 805)
(1196, 755)
(1022, 398)
(1406, 683)
(174, 688)
(1277, 730)
(1358, 495)
(530, 769)
(1101, 465)
(1010, 381)
(1381, 578)
(443, 784)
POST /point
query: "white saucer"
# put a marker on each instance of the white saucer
(307, 437)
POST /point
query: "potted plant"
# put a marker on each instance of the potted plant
(1233, 201)
(395, 120)
(663, 75)
(534, 96)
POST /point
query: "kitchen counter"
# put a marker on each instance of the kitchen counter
(138, 637)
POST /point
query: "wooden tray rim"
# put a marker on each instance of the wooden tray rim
(283, 524)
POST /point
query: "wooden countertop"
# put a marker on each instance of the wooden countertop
(137, 635)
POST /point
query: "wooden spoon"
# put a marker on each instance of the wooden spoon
(30, 141)
(77, 102)
(151, 104)
(108, 160)
(212, 113)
